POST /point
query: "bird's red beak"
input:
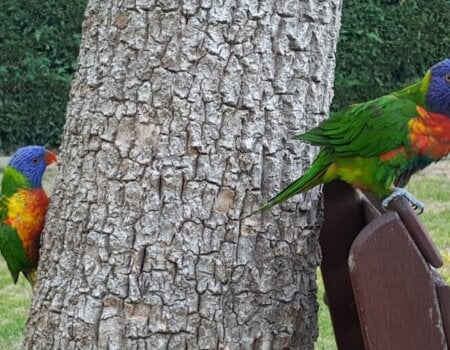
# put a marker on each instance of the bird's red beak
(50, 157)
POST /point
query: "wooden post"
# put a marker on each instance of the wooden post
(382, 292)
(344, 219)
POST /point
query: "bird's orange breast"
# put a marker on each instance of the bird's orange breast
(26, 213)
(430, 134)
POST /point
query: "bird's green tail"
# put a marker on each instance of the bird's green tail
(312, 177)
(31, 276)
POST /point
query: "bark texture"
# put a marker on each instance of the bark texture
(179, 125)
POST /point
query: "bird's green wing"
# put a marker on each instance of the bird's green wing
(367, 129)
(12, 250)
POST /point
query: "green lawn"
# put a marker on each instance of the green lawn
(15, 301)
(432, 187)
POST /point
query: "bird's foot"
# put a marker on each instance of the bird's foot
(401, 192)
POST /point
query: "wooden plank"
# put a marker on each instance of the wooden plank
(443, 292)
(370, 211)
(414, 226)
(417, 232)
(344, 219)
(394, 289)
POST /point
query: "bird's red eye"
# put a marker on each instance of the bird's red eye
(35, 160)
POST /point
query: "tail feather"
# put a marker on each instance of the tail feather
(31, 276)
(312, 177)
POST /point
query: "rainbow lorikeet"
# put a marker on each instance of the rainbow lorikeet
(23, 205)
(379, 144)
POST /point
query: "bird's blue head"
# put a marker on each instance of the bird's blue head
(438, 95)
(31, 162)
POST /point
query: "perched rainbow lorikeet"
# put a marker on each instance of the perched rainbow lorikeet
(379, 144)
(23, 205)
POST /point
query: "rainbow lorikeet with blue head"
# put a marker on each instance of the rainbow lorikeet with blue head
(379, 144)
(23, 205)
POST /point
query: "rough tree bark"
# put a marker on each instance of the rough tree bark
(179, 125)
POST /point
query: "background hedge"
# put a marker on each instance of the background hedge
(39, 43)
(384, 44)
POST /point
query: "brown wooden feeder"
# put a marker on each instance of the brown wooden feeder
(377, 267)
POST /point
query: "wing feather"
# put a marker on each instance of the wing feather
(367, 129)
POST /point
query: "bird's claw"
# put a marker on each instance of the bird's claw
(401, 192)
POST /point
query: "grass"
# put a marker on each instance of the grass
(326, 335)
(15, 302)
(431, 186)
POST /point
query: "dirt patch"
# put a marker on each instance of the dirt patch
(439, 169)
(3, 162)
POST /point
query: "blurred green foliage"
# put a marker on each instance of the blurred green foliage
(39, 43)
(386, 44)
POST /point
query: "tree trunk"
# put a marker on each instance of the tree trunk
(179, 125)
